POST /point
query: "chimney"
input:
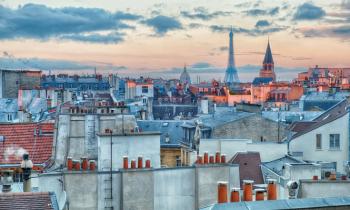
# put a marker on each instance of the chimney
(69, 163)
(211, 159)
(315, 178)
(92, 165)
(7, 181)
(217, 157)
(199, 160)
(125, 162)
(139, 162)
(148, 163)
(259, 194)
(271, 189)
(133, 164)
(26, 166)
(206, 159)
(223, 158)
(76, 164)
(84, 163)
(248, 190)
(222, 192)
(234, 195)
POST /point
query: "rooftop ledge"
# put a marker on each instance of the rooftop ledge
(143, 133)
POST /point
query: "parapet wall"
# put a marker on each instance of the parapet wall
(186, 188)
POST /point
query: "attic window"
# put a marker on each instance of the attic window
(167, 138)
(2, 138)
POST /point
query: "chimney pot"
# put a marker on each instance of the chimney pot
(259, 194)
(344, 177)
(206, 158)
(315, 178)
(148, 163)
(223, 158)
(271, 189)
(125, 162)
(333, 176)
(92, 165)
(248, 190)
(76, 164)
(217, 157)
(133, 164)
(139, 162)
(234, 195)
(84, 163)
(222, 192)
(199, 160)
(69, 163)
(211, 159)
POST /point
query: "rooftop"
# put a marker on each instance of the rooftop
(304, 203)
(29, 201)
(36, 139)
(249, 166)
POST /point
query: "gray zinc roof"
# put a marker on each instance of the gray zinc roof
(172, 128)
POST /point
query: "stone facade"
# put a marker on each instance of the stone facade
(253, 127)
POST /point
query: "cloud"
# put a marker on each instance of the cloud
(203, 14)
(162, 24)
(195, 25)
(262, 12)
(309, 11)
(51, 64)
(247, 31)
(111, 38)
(339, 31)
(35, 21)
(201, 65)
(262, 23)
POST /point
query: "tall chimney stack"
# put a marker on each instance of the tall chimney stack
(26, 166)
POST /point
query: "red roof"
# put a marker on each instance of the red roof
(28, 201)
(20, 138)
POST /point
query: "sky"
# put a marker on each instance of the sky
(157, 38)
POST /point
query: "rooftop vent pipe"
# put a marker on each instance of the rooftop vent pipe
(26, 166)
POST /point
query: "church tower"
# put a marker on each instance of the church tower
(267, 70)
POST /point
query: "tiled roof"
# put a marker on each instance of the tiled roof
(249, 166)
(19, 138)
(28, 201)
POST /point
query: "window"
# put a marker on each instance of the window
(318, 141)
(334, 141)
(178, 160)
(144, 89)
(9, 117)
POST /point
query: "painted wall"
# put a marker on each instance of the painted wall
(307, 143)
(188, 188)
(268, 150)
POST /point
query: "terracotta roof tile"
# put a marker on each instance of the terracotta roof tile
(20, 138)
(28, 201)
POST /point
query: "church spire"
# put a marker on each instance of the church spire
(268, 59)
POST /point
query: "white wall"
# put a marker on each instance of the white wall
(307, 143)
(268, 150)
(147, 146)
